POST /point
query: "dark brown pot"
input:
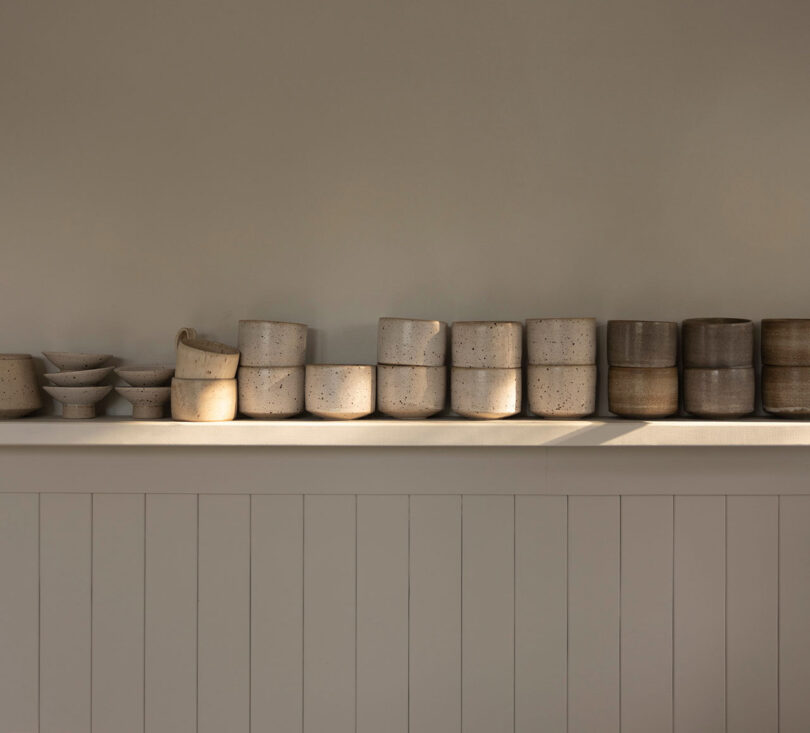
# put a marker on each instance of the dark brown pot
(786, 341)
(642, 343)
(719, 393)
(718, 343)
(643, 392)
(786, 390)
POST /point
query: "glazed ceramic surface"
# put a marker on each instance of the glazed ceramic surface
(643, 392)
(642, 343)
(562, 391)
(786, 341)
(82, 378)
(410, 341)
(146, 376)
(19, 389)
(70, 361)
(147, 402)
(487, 344)
(718, 342)
(341, 391)
(411, 391)
(786, 390)
(271, 393)
(203, 400)
(78, 402)
(485, 393)
(719, 393)
(272, 343)
(202, 359)
(558, 341)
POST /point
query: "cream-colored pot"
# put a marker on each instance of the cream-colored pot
(203, 400)
(272, 344)
(147, 402)
(557, 341)
(487, 344)
(562, 391)
(411, 342)
(203, 359)
(19, 389)
(485, 393)
(78, 403)
(411, 391)
(341, 391)
(271, 393)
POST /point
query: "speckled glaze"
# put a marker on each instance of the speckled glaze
(642, 343)
(81, 378)
(487, 344)
(786, 390)
(562, 391)
(341, 391)
(719, 393)
(202, 359)
(203, 400)
(411, 342)
(68, 361)
(147, 402)
(718, 343)
(272, 343)
(271, 393)
(786, 341)
(19, 389)
(488, 394)
(643, 392)
(411, 391)
(78, 403)
(561, 341)
(146, 376)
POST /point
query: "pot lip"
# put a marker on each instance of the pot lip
(210, 347)
(717, 322)
(561, 318)
(275, 323)
(796, 321)
(720, 369)
(641, 322)
(487, 369)
(331, 365)
(488, 323)
(15, 357)
(416, 320)
(411, 366)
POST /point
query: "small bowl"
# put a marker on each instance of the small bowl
(487, 344)
(719, 393)
(718, 343)
(203, 359)
(642, 343)
(341, 391)
(19, 387)
(643, 392)
(561, 341)
(411, 342)
(146, 376)
(786, 390)
(565, 391)
(203, 400)
(147, 402)
(272, 344)
(81, 378)
(489, 394)
(411, 391)
(786, 341)
(78, 402)
(271, 393)
(67, 361)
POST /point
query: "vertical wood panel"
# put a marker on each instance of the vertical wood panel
(19, 612)
(593, 614)
(700, 611)
(435, 611)
(646, 614)
(65, 623)
(277, 596)
(382, 614)
(224, 615)
(171, 614)
(541, 613)
(329, 613)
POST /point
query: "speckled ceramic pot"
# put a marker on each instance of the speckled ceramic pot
(78, 402)
(411, 341)
(558, 341)
(786, 390)
(643, 392)
(202, 359)
(642, 343)
(19, 389)
(487, 344)
(411, 391)
(203, 400)
(786, 341)
(719, 393)
(272, 343)
(341, 391)
(485, 393)
(718, 343)
(69, 361)
(81, 378)
(271, 393)
(147, 402)
(146, 376)
(562, 391)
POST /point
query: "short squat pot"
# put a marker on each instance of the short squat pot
(786, 391)
(19, 389)
(718, 343)
(488, 394)
(487, 344)
(203, 400)
(411, 391)
(272, 344)
(719, 393)
(271, 393)
(642, 343)
(411, 342)
(786, 342)
(643, 392)
(562, 391)
(341, 391)
(561, 341)
(202, 359)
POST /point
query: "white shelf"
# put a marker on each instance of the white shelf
(112, 431)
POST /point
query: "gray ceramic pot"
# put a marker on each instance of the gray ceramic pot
(719, 393)
(642, 343)
(786, 341)
(786, 390)
(643, 392)
(718, 343)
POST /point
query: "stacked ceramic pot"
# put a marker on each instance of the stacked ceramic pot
(485, 380)
(147, 389)
(78, 383)
(341, 391)
(411, 371)
(271, 371)
(562, 366)
(204, 385)
(786, 366)
(643, 374)
(718, 360)
(19, 389)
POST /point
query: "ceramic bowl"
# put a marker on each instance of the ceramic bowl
(146, 376)
(341, 391)
(411, 391)
(718, 343)
(203, 400)
(78, 402)
(786, 390)
(642, 343)
(786, 341)
(487, 344)
(147, 402)
(19, 388)
(272, 343)
(411, 342)
(82, 378)
(719, 393)
(557, 341)
(203, 359)
(67, 361)
(271, 393)
(643, 392)
(485, 393)
(562, 391)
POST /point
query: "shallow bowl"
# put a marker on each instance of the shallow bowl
(74, 361)
(147, 402)
(81, 378)
(78, 402)
(145, 376)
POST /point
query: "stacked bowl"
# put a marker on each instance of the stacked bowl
(77, 384)
(562, 366)
(485, 380)
(271, 371)
(411, 371)
(341, 391)
(786, 366)
(148, 389)
(19, 389)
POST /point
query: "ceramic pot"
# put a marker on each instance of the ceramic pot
(19, 388)
(411, 391)
(78, 403)
(146, 376)
(202, 359)
(272, 344)
(786, 341)
(147, 402)
(68, 361)
(642, 343)
(786, 390)
(487, 344)
(718, 343)
(559, 341)
(203, 400)
(643, 392)
(82, 378)
(485, 393)
(411, 341)
(562, 391)
(271, 393)
(719, 393)
(341, 391)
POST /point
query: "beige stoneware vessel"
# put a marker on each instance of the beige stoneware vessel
(81, 378)
(563, 391)
(69, 361)
(411, 391)
(78, 403)
(341, 391)
(148, 403)
(786, 341)
(19, 388)
(488, 394)
(786, 390)
(561, 341)
(719, 393)
(272, 343)
(203, 359)
(203, 400)
(643, 392)
(411, 342)
(642, 343)
(487, 344)
(146, 375)
(271, 393)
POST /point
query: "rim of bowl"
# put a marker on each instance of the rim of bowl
(15, 357)
(488, 323)
(331, 365)
(507, 369)
(417, 320)
(715, 321)
(561, 318)
(143, 368)
(210, 347)
(278, 323)
(786, 320)
(656, 323)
